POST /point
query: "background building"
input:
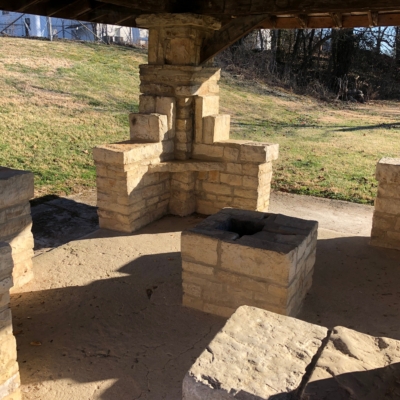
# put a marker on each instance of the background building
(28, 25)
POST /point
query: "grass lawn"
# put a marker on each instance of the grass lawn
(60, 99)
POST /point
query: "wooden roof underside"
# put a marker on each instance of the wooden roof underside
(279, 14)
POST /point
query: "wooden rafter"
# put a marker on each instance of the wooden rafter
(279, 14)
(231, 33)
(337, 19)
(303, 21)
(373, 18)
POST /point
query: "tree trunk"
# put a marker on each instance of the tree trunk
(342, 51)
(273, 50)
(397, 45)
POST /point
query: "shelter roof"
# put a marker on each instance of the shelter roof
(285, 14)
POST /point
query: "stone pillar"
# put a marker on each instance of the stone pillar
(16, 188)
(9, 371)
(175, 44)
(386, 220)
(179, 158)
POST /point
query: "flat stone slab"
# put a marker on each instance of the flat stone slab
(257, 355)
(15, 186)
(388, 170)
(356, 366)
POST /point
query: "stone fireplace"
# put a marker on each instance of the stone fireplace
(179, 158)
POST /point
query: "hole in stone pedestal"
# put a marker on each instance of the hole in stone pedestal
(241, 227)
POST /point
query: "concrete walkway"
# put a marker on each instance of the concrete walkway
(106, 307)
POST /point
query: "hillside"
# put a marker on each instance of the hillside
(60, 99)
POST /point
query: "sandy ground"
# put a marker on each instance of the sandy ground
(106, 308)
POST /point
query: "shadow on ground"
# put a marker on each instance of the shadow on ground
(356, 286)
(130, 329)
(57, 221)
(130, 336)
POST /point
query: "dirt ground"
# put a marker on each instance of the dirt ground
(103, 320)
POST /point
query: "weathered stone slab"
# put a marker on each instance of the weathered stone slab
(388, 170)
(151, 128)
(216, 128)
(257, 355)
(356, 366)
(173, 20)
(15, 187)
(9, 390)
(186, 166)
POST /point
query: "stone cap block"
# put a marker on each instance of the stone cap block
(253, 152)
(261, 245)
(257, 355)
(150, 128)
(175, 20)
(257, 229)
(187, 166)
(352, 362)
(16, 186)
(129, 152)
(216, 128)
(388, 170)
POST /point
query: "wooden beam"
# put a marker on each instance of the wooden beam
(123, 12)
(17, 5)
(372, 18)
(303, 20)
(70, 9)
(231, 33)
(253, 7)
(319, 22)
(337, 20)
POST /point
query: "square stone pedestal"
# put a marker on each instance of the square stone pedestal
(239, 257)
(386, 221)
(16, 189)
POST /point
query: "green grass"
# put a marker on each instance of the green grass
(326, 150)
(60, 99)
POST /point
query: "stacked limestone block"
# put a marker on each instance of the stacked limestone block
(9, 371)
(128, 196)
(259, 355)
(386, 220)
(238, 257)
(178, 122)
(245, 182)
(16, 188)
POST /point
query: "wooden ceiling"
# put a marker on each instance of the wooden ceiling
(284, 14)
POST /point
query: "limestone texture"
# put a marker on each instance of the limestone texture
(9, 373)
(239, 257)
(356, 366)
(386, 220)
(179, 121)
(16, 189)
(257, 355)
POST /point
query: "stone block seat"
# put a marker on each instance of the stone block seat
(386, 220)
(238, 257)
(16, 189)
(260, 355)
